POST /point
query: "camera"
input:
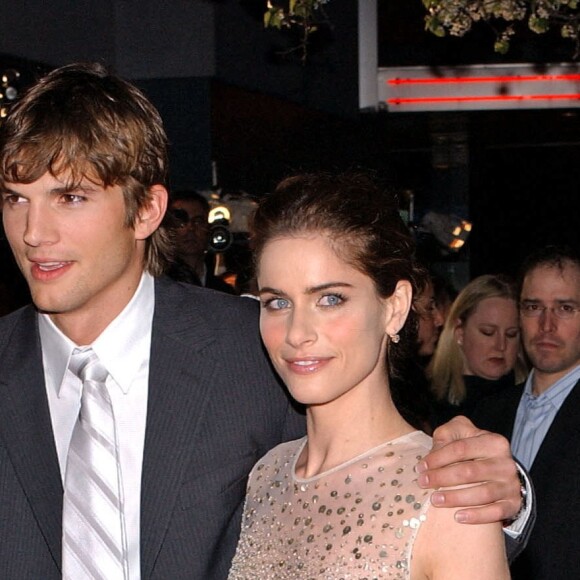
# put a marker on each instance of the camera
(220, 236)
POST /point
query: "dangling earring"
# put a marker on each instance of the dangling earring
(394, 338)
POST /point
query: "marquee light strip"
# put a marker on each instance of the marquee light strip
(489, 79)
(416, 100)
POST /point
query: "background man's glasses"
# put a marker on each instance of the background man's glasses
(184, 219)
(561, 311)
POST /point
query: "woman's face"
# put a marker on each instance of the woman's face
(489, 338)
(322, 321)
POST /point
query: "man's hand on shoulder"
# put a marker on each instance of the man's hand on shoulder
(464, 455)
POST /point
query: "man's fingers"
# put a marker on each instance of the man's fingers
(478, 467)
(457, 428)
(482, 446)
(495, 512)
(496, 499)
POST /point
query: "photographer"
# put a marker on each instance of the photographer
(194, 264)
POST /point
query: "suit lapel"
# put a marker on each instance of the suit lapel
(498, 413)
(179, 381)
(564, 428)
(26, 429)
(506, 420)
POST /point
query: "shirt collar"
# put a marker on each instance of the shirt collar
(123, 347)
(559, 390)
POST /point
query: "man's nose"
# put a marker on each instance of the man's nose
(40, 227)
(547, 320)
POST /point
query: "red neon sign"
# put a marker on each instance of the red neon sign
(488, 79)
(416, 100)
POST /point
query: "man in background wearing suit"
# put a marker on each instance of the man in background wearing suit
(542, 417)
(176, 395)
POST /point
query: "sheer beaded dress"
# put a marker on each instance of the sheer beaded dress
(356, 521)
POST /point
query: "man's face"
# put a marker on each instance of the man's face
(192, 235)
(552, 344)
(81, 262)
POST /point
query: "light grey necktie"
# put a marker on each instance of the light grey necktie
(94, 537)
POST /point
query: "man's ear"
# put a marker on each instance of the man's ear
(399, 305)
(151, 214)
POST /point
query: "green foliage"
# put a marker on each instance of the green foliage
(456, 17)
(302, 17)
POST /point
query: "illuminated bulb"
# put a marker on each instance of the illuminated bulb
(10, 76)
(219, 213)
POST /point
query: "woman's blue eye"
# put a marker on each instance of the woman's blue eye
(331, 300)
(276, 303)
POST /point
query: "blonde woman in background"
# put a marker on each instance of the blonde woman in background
(479, 351)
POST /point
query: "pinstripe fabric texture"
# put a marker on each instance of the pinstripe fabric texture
(94, 537)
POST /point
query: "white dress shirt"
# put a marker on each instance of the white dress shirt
(124, 349)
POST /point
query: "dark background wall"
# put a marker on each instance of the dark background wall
(171, 49)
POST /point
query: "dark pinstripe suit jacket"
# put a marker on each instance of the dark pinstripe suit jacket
(214, 409)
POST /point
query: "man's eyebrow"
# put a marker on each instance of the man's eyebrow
(556, 300)
(7, 191)
(85, 187)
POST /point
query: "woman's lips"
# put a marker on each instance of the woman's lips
(306, 366)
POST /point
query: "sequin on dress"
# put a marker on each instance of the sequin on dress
(357, 521)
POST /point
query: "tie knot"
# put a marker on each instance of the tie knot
(86, 365)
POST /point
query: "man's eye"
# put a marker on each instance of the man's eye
(72, 198)
(13, 199)
(567, 308)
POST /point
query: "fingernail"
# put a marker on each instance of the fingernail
(437, 498)
(461, 518)
(421, 467)
(423, 480)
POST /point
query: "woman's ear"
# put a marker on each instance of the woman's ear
(151, 214)
(458, 332)
(399, 305)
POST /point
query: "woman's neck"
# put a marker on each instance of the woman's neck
(347, 427)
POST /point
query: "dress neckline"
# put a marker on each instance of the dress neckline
(348, 462)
